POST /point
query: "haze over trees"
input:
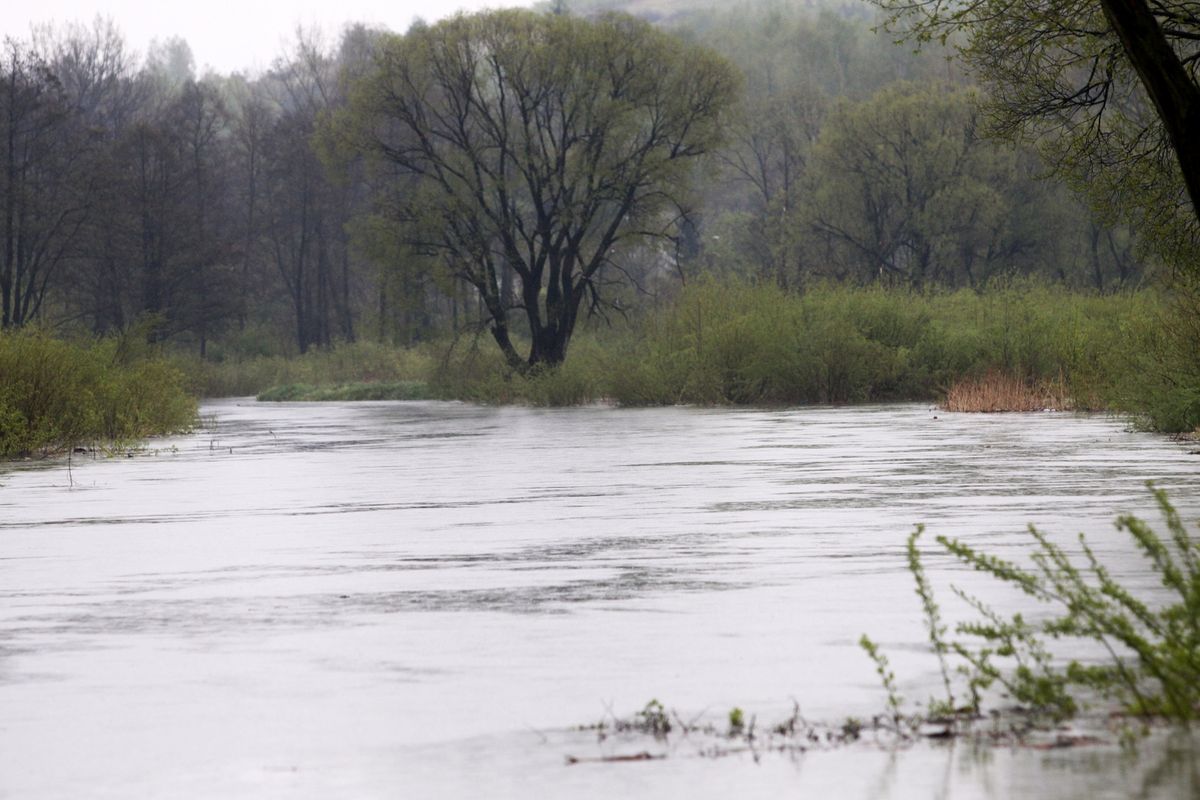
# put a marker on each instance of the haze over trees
(521, 151)
(301, 207)
(1110, 91)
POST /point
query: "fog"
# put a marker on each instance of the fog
(230, 36)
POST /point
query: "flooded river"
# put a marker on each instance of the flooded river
(406, 600)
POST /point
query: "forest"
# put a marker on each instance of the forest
(379, 190)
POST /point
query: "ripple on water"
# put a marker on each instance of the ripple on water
(344, 588)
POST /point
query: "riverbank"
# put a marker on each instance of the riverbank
(57, 395)
(729, 343)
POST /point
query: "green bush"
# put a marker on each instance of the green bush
(1159, 379)
(727, 342)
(1152, 643)
(56, 393)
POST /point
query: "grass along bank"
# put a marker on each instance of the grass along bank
(358, 363)
(731, 343)
(303, 392)
(56, 394)
(1018, 346)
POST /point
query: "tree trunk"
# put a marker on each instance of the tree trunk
(1097, 267)
(1176, 97)
(549, 346)
(500, 334)
(10, 202)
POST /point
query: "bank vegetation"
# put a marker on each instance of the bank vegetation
(58, 395)
(1016, 346)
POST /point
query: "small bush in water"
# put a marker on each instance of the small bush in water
(1153, 667)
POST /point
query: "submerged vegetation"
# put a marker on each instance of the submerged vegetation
(1149, 642)
(656, 732)
(1006, 680)
(57, 395)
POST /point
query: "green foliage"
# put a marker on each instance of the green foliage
(1078, 81)
(904, 190)
(653, 719)
(1161, 384)
(56, 394)
(729, 342)
(361, 362)
(886, 676)
(933, 614)
(1153, 643)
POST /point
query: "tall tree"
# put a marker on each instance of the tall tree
(1110, 88)
(906, 193)
(203, 299)
(308, 213)
(537, 144)
(44, 181)
(97, 74)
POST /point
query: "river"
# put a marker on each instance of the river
(423, 599)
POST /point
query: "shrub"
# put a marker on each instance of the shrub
(1153, 644)
(730, 342)
(56, 393)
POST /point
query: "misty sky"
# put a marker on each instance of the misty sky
(230, 35)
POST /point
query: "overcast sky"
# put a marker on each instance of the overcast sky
(230, 35)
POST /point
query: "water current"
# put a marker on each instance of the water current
(385, 600)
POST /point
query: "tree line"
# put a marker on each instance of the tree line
(138, 191)
(515, 172)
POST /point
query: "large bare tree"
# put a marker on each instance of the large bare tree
(515, 143)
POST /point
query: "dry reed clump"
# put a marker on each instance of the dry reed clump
(998, 392)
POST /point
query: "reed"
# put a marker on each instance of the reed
(995, 392)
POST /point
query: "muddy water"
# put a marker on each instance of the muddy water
(420, 599)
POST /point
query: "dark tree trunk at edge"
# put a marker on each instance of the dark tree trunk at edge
(1176, 97)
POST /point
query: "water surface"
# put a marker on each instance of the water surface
(420, 599)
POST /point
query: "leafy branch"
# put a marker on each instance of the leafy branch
(1152, 667)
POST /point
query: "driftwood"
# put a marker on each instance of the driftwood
(643, 756)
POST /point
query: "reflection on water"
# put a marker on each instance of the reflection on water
(404, 598)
